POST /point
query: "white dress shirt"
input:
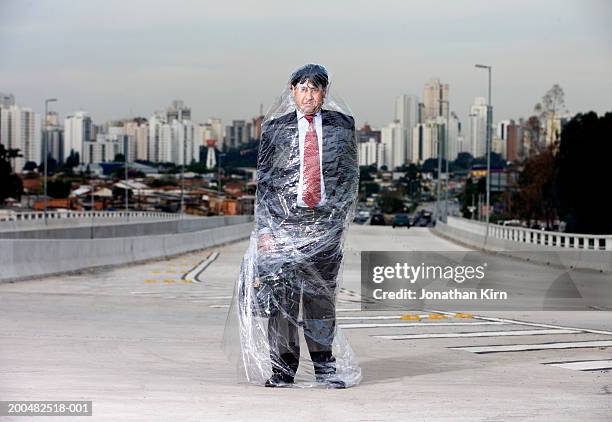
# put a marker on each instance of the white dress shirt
(302, 129)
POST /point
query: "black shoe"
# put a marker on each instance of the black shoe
(330, 380)
(279, 380)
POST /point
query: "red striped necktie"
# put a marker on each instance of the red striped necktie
(312, 176)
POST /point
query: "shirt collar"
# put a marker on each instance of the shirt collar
(300, 114)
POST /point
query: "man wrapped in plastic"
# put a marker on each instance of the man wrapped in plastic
(307, 183)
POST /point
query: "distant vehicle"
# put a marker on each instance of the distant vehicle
(423, 219)
(377, 220)
(364, 213)
(360, 219)
(512, 223)
(401, 220)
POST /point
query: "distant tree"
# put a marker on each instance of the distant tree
(197, 167)
(497, 161)
(413, 180)
(11, 185)
(390, 203)
(29, 166)
(430, 165)
(72, 161)
(370, 188)
(533, 127)
(157, 183)
(535, 200)
(58, 188)
(468, 198)
(365, 173)
(51, 163)
(553, 102)
(119, 158)
(583, 172)
(464, 160)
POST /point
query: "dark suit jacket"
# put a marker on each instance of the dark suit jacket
(278, 171)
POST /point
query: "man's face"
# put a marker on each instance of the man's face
(308, 97)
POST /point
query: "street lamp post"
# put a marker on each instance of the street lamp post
(45, 150)
(437, 213)
(489, 127)
(447, 138)
(183, 178)
(126, 146)
(219, 175)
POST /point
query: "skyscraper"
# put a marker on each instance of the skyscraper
(407, 114)
(478, 127)
(433, 92)
(20, 129)
(178, 111)
(394, 151)
(78, 128)
(237, 134)
(424, 141)
(138, 129)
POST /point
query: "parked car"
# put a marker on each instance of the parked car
(377, 220)
(401, 220)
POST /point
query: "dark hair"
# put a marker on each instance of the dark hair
(314, 73)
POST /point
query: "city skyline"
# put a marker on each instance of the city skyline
(125, 60)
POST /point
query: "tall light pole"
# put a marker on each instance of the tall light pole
(45, 149)
(219, 175)
(182, 205)
(126, 146)
(446, 132)
(489, 127)
(439, 145)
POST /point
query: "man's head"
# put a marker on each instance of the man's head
(309, 86)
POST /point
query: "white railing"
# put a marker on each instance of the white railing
(536, 237)
(62, 215)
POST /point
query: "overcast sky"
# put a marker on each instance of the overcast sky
(121, 58)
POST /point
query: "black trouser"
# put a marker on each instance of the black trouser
(312, 278)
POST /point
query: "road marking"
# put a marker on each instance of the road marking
(215, 297)
(218, 306)
(584, 365)
(537, 346)
(420, 324)
(532, 324)
(376, 316)
(194, 274)
(477, 334)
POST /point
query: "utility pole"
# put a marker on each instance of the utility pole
(46, 150)
(446, 159)
(489, 136)
(126, 191)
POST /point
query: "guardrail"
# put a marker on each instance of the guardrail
(535, 237)
(60, 215)
(27, 258)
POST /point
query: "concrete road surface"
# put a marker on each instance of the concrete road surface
(143, 344)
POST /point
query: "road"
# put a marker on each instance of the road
(144, 344)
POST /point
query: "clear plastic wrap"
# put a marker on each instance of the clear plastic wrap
(285, 297)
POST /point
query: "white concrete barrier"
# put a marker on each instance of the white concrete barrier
(27, 258)
(527, 243)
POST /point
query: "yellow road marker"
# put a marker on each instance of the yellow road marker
(150, 280)
(169, 280)
(436, 316)
(462, 315)
(410, 317)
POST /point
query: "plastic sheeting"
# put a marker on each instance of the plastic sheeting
(281, 328)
